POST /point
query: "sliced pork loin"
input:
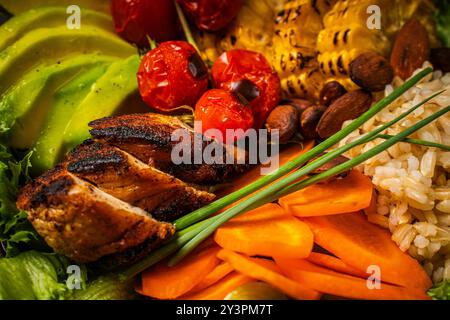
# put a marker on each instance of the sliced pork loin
(123, 176)
(84, 223)
(148, 138)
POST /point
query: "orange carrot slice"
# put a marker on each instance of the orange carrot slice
(221, 289)
(165, 282)
(214, 276)
(335, 264)
(266, 231)
(329, 282)
(360, 244)
(286, 154)
(254, 269)
(349, 194)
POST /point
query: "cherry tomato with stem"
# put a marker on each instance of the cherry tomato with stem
(172, 75)
(237, 68)
(136, 20)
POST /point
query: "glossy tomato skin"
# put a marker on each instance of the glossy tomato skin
(237, 64)
(220, 109)
(211, 15)
(134, 20)
(172, 75)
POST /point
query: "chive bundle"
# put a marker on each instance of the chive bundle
(195, 227)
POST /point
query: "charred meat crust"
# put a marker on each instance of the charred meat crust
(125, 177)
(148, 138)
(83, 223)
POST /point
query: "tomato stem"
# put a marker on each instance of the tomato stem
(185, 26)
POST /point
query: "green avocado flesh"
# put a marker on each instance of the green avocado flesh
(48, 17)
(106, 98)
(24, 107)
(19, 6)
(46, 151)
(47, 45)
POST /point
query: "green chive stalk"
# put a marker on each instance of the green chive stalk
(418, 142)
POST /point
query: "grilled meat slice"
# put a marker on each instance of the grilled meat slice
(84, 223)
(127, 178)
(148, 138)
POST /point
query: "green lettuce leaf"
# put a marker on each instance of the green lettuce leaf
(107, 287)
(440, 291)
(33, 275)
(15, 229)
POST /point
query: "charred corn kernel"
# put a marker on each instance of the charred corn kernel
(294, 47)
(252, 29)
(306, 83)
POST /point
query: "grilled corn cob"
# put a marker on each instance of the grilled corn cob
(294, 46)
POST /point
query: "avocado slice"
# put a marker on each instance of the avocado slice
(46, 150)
(24, 107)
(105, 99)
(48, 45)
(20, 6)
(48, 17)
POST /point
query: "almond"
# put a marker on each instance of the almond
(285, 119)
(330, 92)
(350, 106)
(371, 71)
(309, 120)
(411, 49)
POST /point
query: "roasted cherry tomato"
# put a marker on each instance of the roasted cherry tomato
(134, 20)
(172, 75)
(219, 109)
(211, 15)
(237, 68)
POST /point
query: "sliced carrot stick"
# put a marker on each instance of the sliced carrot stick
(335, 264)
(349, 194)
(221, 289)
(257, 270)
(267, 231)
(165, 282)
(324, 281)
(214, 276)
(360, 244)
(286, 154)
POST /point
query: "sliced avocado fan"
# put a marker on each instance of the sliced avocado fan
(24, 107)
(49, 45)
(48, 17)
(19, 6)
(105, 99)
(65, 101)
